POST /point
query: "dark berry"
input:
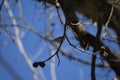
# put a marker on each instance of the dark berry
(42, 64)
(35, 64)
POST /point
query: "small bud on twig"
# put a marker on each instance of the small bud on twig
(57, 5)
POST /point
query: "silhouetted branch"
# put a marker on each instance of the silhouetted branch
(85, 38)
(72, 57)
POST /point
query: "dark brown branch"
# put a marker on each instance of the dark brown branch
(84, 37)
(72, 57)
(88, 38)
(93, 76)
(66, 54)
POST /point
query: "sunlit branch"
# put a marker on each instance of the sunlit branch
(25, 27)
(108, 21)
(18, 41)
(20, 8)
(53, 70)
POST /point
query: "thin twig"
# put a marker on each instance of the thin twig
(56, 53)
(80, 49)
(30, 28)
(59, 16)
(108, 21)
(110, 16)
(78, 59)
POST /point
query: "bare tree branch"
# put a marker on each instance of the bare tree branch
(53, 69)
(18, 41)
(88, 38)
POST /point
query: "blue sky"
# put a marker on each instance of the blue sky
(38, 18)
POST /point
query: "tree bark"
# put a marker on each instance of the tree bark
(85, 38)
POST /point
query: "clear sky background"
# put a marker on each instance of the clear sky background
(13, 66)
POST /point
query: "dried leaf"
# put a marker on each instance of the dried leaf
(58, 39)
